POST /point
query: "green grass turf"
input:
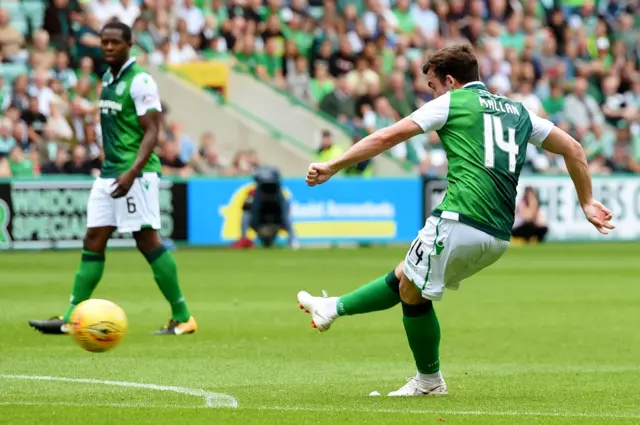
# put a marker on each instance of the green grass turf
(548, 335)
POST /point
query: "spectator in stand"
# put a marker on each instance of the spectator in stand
(399, 96)
(340, 104)
(172, 165)
(88, 41)
(208, 160)
(327, 150)
(187, 149)
(35, 120)
(127, 11)
(299, 81)
(40, 89)
(78, 164)
(59, 21)
(19, 95)
(11, 40)
(41, 46)
(269, 63)
(58, 165)
(243, 164)
(361, 77)
(530, 223)
(193, 17)
(58, 124)
(581, 110)
(528, 98)
(554, 103)
(62, 70)
(321, 84)
(342, 61)
(21, 164)
(7, 142)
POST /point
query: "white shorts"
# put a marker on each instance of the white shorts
(138, 210)
(446, 252)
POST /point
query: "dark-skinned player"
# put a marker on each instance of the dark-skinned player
(126, 195)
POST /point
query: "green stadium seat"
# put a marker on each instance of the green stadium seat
(316, 12)
(34, 10)
(20, 24)
(13, 8)
(11, 70)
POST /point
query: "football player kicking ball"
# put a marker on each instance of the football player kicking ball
(126, 195)
(485, 138)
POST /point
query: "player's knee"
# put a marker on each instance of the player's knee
(95, 240)
(147, 240)
(409, 294)
(416, 310)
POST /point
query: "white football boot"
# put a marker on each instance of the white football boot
(323, 310)
(418, 387)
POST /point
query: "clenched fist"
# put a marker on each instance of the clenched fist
(319, 172)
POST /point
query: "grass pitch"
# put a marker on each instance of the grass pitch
(548, 335)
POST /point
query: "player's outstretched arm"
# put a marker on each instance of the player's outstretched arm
(431, 116)
(372, 145)
(561, 143)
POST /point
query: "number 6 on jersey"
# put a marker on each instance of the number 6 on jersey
(493, 133)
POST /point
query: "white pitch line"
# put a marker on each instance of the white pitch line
(211, 399)
(221, 400)
(451, 412)
(340, 409)
(118, 405)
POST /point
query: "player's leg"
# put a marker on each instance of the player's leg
(139, 213)
(454, 252)
(379, 294)
(100, 226)
(423, 273)
(423, 334)
(165, 273)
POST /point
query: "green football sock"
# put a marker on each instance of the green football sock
(165, 273)
(380, 294)
(423, 332)
(88, 275)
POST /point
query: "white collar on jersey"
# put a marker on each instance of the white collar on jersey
(474, 83)
(130, 62)
(126, 65)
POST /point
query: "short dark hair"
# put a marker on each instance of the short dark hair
(459, 61)
(117, 25)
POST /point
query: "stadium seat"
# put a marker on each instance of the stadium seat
(34, 11)
(13, 8)
(20, 24)
(11, 70)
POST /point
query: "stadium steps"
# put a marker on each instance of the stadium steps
(298, 121)
(234, 128)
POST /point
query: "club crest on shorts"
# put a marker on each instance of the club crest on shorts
(120, 88)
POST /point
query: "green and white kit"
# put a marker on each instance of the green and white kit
(485, 137)
(126, 97)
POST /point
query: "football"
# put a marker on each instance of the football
(98, 325)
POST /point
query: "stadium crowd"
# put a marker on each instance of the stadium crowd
(576, 62)
(50, 74)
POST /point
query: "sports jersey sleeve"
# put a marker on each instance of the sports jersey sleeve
(540, 129)
(145, 95)
(433, 115)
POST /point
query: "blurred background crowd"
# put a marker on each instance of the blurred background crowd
(576, 62)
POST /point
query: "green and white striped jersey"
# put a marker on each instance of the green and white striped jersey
(125, 97)
(485, 138)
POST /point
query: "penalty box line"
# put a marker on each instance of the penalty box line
(211, 399)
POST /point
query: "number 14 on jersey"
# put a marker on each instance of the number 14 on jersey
(494, 136)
